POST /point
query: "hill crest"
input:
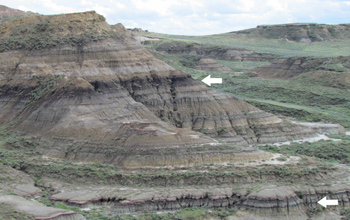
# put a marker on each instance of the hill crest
(299, 32)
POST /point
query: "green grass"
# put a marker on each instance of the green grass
(241, 66)
(272, 46)
(192, 213)
(9, 213)
(333, 151)
(302, 98)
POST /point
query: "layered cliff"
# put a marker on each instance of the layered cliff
(94, 94)
(213, 52)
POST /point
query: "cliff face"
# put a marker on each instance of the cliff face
(95, 94)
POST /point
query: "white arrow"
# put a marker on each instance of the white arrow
(324, 202)
(207, 80)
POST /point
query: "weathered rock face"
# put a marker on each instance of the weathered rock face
(17, 191)
(17, 182)
(270, 202)
(37, 210)
(98, 97)
(221, 53)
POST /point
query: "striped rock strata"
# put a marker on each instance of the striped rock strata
(95, 95)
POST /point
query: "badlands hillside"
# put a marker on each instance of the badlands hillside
(94, 126)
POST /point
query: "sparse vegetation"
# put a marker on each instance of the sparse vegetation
(38, 32)
(46, 85)
(7, 212)
(306, 98)
(329, 150)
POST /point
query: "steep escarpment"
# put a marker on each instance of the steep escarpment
(299, 32)
(95, 94)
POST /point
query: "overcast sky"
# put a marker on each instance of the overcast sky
(197, 17)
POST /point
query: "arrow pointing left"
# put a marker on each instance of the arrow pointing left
(324, 202)
(207, 80)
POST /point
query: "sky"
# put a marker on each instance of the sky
(197, 17)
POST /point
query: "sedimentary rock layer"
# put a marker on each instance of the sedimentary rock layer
(94, 96)
(221, 53)
(269, 201)
(210, 65)
(38, 210)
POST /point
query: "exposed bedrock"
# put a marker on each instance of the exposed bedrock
(103, 96)
(213, 52)
(210, 65)
(38, 210)
(17, 183)
(323, 128)
(269, 201)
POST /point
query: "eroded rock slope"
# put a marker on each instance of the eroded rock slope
(95, 95)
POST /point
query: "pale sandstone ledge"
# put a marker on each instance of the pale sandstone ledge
(38, 210)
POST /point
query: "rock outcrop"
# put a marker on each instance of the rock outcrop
(212, 52)
(276, 202)
(210, 65)
(97, 96)
(324, 128)
(38, 210)
(17, 182)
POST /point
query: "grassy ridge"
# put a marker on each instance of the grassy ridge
(272, 46)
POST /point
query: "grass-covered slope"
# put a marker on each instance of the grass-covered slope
(282, 47)
(311, 88)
